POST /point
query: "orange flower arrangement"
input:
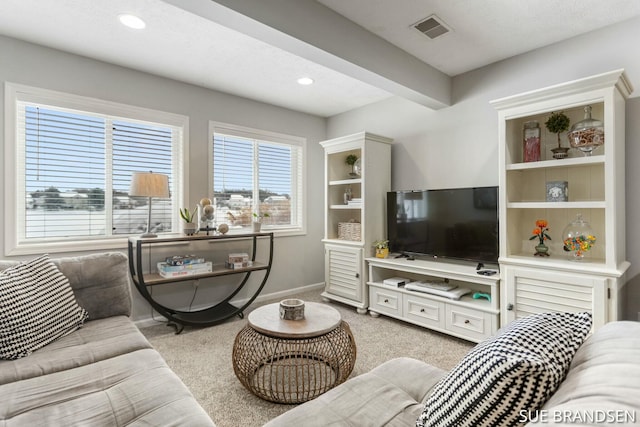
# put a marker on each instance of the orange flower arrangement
(540, 232)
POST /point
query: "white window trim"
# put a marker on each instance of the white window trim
(15, 93)
(259, 134)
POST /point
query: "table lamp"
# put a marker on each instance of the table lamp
(149, 184)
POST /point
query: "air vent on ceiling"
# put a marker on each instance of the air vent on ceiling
(432, 27)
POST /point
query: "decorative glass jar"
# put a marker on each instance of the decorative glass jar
(588, 134)
(578, 238)
(206, 215)
(531, 142)
(357, 167)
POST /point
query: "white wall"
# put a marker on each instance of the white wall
(298, 260)
(453, 147)
(457, 146)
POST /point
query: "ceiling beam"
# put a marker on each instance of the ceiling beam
(312, 31)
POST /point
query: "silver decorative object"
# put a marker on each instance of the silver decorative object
(292, 309)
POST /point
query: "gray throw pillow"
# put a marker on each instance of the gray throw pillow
(37, 307)
(509, 374)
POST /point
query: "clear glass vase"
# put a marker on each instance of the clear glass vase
(588, 134)
(578, 238)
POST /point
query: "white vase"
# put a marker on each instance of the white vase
(189, 228)
(257, 226)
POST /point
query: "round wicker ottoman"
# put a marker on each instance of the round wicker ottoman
(293, 361)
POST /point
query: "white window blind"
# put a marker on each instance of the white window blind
(140, 148)
(73, 160)
(64, 173)
(71, 169)
(254, 172)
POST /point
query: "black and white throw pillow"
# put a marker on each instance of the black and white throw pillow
(37, 306)
(509, 374)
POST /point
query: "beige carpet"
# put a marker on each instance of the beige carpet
(202, 359)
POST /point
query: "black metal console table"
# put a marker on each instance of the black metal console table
(213, 314)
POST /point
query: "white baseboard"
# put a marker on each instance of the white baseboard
(156, 318)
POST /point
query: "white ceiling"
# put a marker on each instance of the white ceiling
(185, 41)
(484, 31)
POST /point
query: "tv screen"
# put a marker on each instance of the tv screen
(459, 223)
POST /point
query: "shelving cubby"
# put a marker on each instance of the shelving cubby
(595, 190)
(345, 271)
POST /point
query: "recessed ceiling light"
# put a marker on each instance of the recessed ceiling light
(131, 21)
(305, 81)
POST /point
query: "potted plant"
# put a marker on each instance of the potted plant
(540, 233)
(189, 228)
(382, 248)
(257, 220)
(557, 123)
(351, 160)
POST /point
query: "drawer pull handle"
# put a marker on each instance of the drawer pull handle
(466, 322)
(422, 310)
(509, 306)
(357, 275)
(387, 301)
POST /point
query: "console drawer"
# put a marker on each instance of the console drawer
(468, 322)
(423, 311)
(384, 301)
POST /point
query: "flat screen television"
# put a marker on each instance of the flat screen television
(459, 223)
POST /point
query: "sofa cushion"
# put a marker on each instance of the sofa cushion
(388, 395)
(96, 278)
(133, 389)
(97, 340)
(515, 371)
(38, 307)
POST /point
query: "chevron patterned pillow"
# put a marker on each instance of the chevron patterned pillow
(38, 307)
(517, 370)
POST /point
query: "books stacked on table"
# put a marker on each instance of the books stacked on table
(184, 265)
(357, 201)
(238, 260)
(184, 259)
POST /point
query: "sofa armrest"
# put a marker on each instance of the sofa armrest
(392, 394)
(602, 382)
(100, 283)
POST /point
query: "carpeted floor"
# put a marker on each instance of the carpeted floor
(202, 359)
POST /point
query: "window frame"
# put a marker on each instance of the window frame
(14, 151)
(274, 137)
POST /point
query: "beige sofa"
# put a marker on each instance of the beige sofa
(104, 374)
(602, 387)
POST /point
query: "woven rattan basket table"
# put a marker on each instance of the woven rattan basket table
(293, 361)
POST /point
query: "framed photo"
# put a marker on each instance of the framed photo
(557, 191)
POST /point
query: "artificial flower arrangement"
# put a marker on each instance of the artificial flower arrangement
(541, 233)
(382, 248)
(381, 244)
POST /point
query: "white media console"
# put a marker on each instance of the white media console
(473, 319)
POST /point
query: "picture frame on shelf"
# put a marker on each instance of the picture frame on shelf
(557, 191)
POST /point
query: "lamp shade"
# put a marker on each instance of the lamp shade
(149, 184)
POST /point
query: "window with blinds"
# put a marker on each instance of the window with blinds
(73, 171)
(140, 148)
(257, 173)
